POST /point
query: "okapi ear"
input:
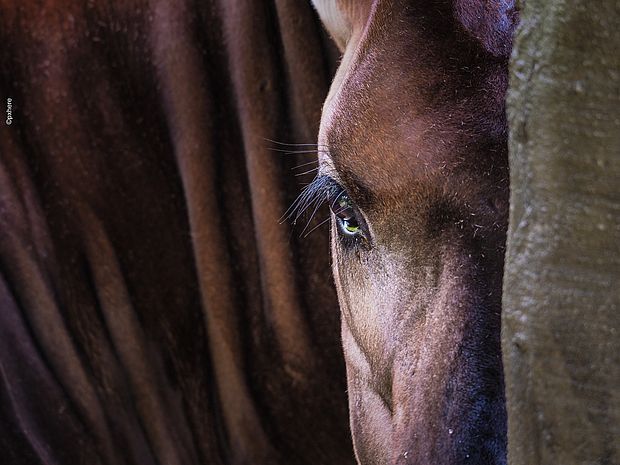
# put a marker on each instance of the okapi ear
(335, 21)
(491, 22)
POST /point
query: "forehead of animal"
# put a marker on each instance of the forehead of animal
(410, 103)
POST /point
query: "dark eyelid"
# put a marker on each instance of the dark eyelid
(358, 191)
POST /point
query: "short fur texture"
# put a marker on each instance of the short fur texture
(417, 135)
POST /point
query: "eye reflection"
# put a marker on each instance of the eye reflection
(343, 210)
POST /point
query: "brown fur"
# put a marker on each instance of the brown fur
(417, 135)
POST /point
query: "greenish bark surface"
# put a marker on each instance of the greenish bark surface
(561, 315)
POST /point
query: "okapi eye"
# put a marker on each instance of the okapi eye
(343, 210)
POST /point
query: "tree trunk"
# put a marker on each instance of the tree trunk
(562, 279)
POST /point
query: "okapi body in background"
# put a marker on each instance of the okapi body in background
(152, 308)
(413, 162)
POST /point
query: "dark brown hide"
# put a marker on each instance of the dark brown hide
(152, 308)
(417, 136)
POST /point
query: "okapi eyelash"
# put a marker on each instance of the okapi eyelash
(312, 197)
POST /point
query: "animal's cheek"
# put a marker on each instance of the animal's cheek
(363, 304)
(371, 292)
(371, 419)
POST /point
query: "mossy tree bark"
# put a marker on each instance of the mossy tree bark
(561, 316)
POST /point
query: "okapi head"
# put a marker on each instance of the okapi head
(413, 162)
